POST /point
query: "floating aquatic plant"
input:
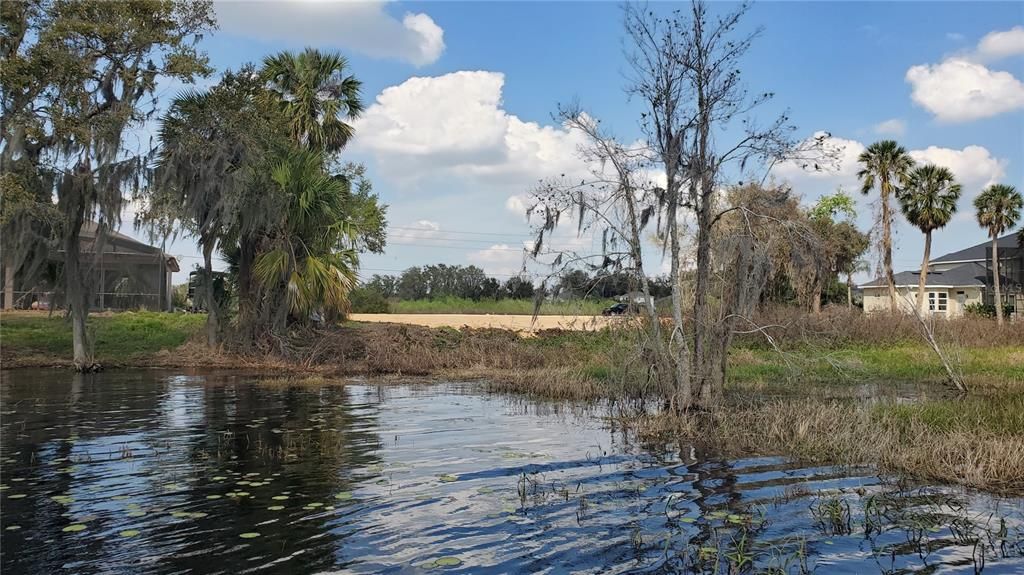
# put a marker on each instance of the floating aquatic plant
(249, 535)
(129, 533)
(74, 528)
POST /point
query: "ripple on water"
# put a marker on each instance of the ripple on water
(194, 473)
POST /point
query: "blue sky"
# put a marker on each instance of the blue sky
(461, 96)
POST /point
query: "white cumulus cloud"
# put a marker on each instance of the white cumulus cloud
(1001, 44)
(963, 87)
(893, 127)
(838, 161)
(499, 259)
(974, 166)
(365, 27)
(455, 125)
(958, 90)
(419, 230)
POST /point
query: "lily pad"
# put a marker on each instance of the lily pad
(448, 478)
(136, 513)
(16, 496)
(74, 528)
(63, 499)
(448, 561)
(249, 535)
(129, 533)
(275, 507)
(279, 497)
(214, 496)
(344, 496)
(13, 527)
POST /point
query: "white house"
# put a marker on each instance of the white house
(956, 280)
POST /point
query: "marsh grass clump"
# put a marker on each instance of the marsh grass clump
(975, 442)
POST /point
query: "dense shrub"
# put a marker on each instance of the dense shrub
(986, 310)
(366, 300)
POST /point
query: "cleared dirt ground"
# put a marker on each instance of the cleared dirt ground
(521, 323)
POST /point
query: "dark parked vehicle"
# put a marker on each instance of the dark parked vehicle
(617, 309)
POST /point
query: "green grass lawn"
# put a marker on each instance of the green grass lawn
(500, 307)
(989, 366)
(116, 337)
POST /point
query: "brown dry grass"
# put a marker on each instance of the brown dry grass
(838, 327)
(982, 453)
(524, 324)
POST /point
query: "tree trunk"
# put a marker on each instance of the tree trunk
(816, 299)
(684, 390)
(636, 254)
(702, 364)
(995, 278)
(77, 298)
(849, 291)
(887, 244)
(8, 285)
(212, 313)
(922, 283)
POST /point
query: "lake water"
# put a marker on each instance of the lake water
(154, 472)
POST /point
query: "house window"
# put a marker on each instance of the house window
(937, 301)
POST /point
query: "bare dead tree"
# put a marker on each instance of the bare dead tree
(616, 201)
(685, 67)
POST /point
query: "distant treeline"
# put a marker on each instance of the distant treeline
(443, 281)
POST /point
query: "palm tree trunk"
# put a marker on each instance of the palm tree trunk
(212, 315)
(995, 278)
(887, 245)
(924, 271)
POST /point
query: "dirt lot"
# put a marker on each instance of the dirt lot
(521, 323)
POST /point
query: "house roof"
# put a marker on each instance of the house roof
(971, 274)
(979, 252)
(90, 228)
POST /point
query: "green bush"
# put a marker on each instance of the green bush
(367, 300)
(986, 310)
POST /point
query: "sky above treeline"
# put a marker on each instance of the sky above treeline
(460, 98)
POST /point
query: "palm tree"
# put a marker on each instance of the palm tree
(316, 96)
(311, 250)
(998, 210)
(210, 144)
(888, 164)
(928, 202)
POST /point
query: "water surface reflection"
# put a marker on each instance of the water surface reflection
(153, 472)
